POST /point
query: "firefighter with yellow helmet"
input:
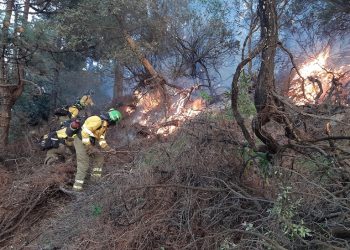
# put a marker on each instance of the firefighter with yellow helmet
(67, 116)
(71, 112)
(90, 145)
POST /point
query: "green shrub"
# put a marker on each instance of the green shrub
(245, 103)
(285, 209)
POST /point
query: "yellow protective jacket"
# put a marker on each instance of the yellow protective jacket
(86, 100)
(61, 133)
(73, 113)
(96, 128)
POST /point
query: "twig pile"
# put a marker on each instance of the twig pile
(23, 204)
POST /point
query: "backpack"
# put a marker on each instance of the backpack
(62, 111)
(49, 141)
(74, 126)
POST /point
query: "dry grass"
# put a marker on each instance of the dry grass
(28, 189)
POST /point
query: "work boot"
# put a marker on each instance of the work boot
(95, 178)
(96, 175)
(78, 186)
(70, 190)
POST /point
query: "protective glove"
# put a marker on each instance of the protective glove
(92, 150)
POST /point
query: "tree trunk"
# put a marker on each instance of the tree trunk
(266, 80)
(252, 27)
(4, 39)
(54, 94)
(118, 82)
(263, 99)
(8, 96)
(56, 78)
(26, 12)
(144, 61)
(157, 79)
(6, 103)
(138, 52)
(9, 93)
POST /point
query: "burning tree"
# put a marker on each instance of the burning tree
(307, 132)
(317, 83)
(314, 82)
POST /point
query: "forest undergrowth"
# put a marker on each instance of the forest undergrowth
(199, 188)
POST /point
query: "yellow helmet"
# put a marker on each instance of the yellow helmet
(86, 100)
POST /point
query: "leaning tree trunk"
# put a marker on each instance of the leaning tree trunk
(144, 61)
(156, 79)
(264, 100)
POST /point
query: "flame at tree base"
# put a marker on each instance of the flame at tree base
(165, 115)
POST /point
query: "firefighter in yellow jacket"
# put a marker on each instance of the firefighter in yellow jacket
(91, 145)
(56, 142)
(72, 111)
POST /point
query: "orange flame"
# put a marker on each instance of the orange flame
(151, 114)
(316, 73)
(315, 68)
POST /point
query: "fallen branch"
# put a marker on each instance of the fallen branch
(175, 122)
(204, 189)
(294, 66)
(319, 84)
(296, 109)
(340, 137)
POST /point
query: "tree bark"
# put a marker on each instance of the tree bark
(5, 36)
(54, 94)
(8, 96)
(9, 93)
(235, 94)
(6, 102)
(136, 49)
(118, 82)
(26, 12)
(263, 99)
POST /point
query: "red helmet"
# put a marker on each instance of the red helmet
(75, 124)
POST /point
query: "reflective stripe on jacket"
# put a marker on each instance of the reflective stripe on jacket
(94, 127)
